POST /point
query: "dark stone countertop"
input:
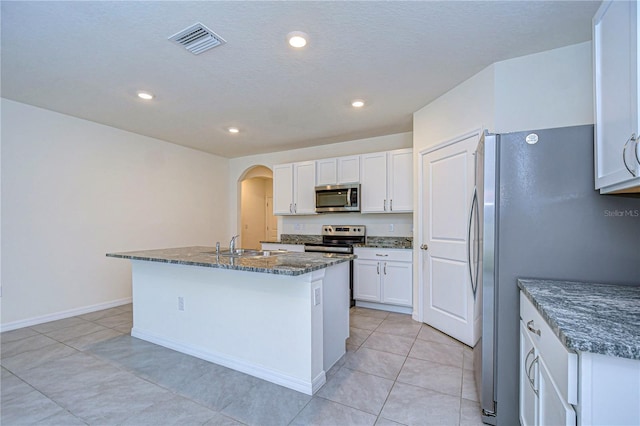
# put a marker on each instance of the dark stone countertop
(586, 317)
(388, 242)
(288, 263)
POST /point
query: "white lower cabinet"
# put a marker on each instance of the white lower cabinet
(548, 372)
(383, 276)
(559, 387)
(552, 408)
(528, 372)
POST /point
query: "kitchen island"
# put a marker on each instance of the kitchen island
(282, 317)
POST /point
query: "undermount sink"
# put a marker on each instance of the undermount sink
(246, 253)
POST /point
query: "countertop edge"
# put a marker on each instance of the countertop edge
(595, 346)
(549, 320)
(273, 271)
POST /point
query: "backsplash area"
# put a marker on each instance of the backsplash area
(372, 241)
(382, 225)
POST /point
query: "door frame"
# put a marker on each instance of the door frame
(420, 210)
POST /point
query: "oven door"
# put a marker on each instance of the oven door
(337, 198)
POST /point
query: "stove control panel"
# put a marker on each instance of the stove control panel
(344, 230)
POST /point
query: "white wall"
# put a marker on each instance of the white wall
(545, 90)
(73, 190)
(466, 107)
(377, 224)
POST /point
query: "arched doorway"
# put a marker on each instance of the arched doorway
(256, 220)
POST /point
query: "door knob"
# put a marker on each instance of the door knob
(424, 247)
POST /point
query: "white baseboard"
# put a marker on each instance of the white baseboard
(307, 387)
(384, 307)
(63, 314)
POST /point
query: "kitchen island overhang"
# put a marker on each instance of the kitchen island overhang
(284, 319)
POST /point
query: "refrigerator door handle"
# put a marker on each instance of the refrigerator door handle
(634, 141)
(474, 203)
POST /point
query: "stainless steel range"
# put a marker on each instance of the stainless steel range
(340, 239)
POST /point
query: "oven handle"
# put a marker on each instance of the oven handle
(324, 249)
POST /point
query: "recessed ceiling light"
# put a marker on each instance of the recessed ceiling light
(145, 95)
(357, 103)
(297, 39)
(233, 130)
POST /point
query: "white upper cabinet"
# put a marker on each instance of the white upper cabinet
(326, 171)
(294, 188)
(616, 74)
(349, 169)
(387, 181)
(332, 171)
(400, 180)
(373, 182)
(283, 189)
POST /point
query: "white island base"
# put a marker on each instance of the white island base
(286, 329)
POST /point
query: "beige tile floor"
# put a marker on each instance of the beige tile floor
(88, 370)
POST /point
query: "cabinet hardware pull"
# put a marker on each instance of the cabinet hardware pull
(384, 204)
(295, 207)
(385, 268)
(290, 208)
(526, 359)
(531, 329)
(624, 152)
(390, 205)
(378, 268)
(532, 381)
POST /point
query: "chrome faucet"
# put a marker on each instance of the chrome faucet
(232, 243)
(218, 247)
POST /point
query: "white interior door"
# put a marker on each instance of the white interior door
(447, 189)
(271, 221)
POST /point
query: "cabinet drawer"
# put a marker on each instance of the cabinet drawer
(562, 364)
(398, 255)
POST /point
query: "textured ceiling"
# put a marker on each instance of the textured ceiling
(88, 59)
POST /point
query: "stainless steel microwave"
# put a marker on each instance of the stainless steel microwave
(338, 198)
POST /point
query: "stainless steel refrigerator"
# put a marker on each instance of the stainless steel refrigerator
(540, 218)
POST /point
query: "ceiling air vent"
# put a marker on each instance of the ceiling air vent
(197, 39)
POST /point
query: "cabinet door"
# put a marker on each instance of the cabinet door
(397, 284)
(366, 280)
(326, 172)
(552, 410)
(400, 185)
(283, 189)
(373, 180)
(349, 169)
(528, 371)
(616, 92)
(304, 200)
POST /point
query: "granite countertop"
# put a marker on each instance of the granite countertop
(388, 242)
(287, 263)
(372, 242)
(598, 318)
